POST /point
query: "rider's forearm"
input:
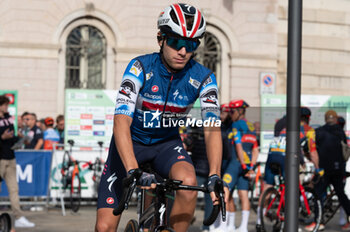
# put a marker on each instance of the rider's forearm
(39, 144)
(213, 143)
(314, 158)
(255, 154)
(122, 139)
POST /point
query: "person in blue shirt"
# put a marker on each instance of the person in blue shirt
(156, 92)
(51, 136)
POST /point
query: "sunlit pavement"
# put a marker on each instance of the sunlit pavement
(53, 221)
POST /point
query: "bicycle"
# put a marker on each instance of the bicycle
(97, 168)
(70, 178)
(273, 204)
(5, 222)
(256, 187)
(331, 203)
(155, 217)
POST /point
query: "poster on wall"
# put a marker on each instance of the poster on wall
(273, 107)
(89, 117)
(12, 96)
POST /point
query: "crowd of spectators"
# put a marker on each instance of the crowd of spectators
(39, 134)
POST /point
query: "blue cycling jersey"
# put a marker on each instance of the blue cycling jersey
(243, 132)
(149, 93)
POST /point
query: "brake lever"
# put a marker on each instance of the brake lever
(223, 205)
(131, 191)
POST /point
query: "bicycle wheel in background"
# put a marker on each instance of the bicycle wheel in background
(75, 192)
(5, 222)
(256, 187)
(271, 216)
(66, 163)
(330, 205)
(132, 226)
(315, 209)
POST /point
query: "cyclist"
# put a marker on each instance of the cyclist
(277, 149)
(161, 85)
(239, 169)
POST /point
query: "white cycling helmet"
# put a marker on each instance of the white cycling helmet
(183, 20)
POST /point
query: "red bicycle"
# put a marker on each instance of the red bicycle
(273, 204)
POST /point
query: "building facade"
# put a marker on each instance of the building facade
(47, 46)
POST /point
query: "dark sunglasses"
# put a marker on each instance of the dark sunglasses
(177, 44)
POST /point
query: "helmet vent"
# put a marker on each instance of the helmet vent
(173, 17)
(189, 22)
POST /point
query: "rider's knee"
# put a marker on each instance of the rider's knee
(189, 180)
(102, 226)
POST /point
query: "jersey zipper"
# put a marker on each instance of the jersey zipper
(167, 95)
(166, 100)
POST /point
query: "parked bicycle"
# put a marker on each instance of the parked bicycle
(256, 187)
(97, 168)
(273, 203)
(155, 216)
(5, 222)
(70, 178)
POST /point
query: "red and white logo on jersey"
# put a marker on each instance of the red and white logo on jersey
(110, 200)
(180, 157)
(155, 88)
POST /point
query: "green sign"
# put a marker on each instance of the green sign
(89, 116)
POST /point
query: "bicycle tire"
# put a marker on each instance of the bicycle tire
(270, 221)
(5, 222)
(254, 193)
(132, 226)
(75, 193)
(66, 162)
(315, 209)
(330, 207)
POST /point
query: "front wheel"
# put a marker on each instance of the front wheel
(132, 226)
(5, 222)
(310, 208)
(272, 211)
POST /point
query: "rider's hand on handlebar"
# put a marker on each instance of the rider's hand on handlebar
(146, 180)
(211, 188)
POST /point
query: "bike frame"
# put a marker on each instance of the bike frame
(281, 191)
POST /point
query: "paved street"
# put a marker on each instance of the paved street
(53, 221)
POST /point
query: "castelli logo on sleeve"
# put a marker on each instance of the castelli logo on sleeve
(155, 88)
(110, 200)
(180, 157)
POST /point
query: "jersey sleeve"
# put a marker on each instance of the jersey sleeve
(132, 82)
(310, 135)
(237, 134)
(209, 102)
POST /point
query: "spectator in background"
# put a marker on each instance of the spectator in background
(8, 162)
(35, 134)
(60, 127)
(51, 136)
(41, 124)
(328, 143)
(341, 122)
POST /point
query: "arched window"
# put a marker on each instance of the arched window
(209, 54)
(86, 58)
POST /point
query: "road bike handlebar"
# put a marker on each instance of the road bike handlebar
(129, 185)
